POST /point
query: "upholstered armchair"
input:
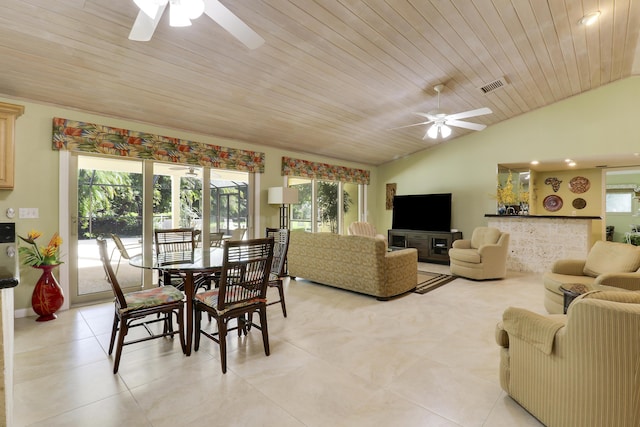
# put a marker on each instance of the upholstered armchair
(579, 369)
(482, 257)
(359, 228)
(608, 266)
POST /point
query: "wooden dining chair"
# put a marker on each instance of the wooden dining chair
(242, 291)
(132, 310)
(278, 266)
(179, 241)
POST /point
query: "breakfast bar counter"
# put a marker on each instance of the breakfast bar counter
(537, 241)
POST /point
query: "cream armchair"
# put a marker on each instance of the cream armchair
(483, 257)
(359, 228)
(575, 370)
(608, 266)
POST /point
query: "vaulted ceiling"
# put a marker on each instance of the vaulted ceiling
(333, 76)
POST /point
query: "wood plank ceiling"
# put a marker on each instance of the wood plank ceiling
(333, 76)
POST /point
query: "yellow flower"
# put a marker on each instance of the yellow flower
(45, 255)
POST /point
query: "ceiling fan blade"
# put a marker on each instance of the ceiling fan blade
(471, 113)
(427, 116)
(415, 124)
(465, 125)
(144, 26)
(230, 22)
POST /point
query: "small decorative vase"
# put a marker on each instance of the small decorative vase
(47, 297)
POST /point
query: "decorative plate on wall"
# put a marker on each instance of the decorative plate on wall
(579, 203)
(579, 184)
(552, 203)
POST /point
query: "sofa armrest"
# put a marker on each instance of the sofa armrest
(502, 337)
(400, 269)
(533, 328)
(461, 244)
(627, 281)
(491, 250)
(571, 267)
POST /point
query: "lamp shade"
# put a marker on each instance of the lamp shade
(282, 196)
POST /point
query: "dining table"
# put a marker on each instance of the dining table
(195, 264)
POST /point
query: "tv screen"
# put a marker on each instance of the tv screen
(425, 212)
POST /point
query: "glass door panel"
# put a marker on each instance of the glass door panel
(350, 204)
(229, 200)
(327, 206)
(301, 212)
(108, 201)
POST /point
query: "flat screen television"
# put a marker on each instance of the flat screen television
(425, 212)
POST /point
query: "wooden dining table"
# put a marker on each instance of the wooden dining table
(190, 264)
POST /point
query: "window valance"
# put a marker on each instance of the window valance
(324, 171)
(92, 138)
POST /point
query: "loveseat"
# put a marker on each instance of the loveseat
(356, 263)
(575, 370)
(609, 266)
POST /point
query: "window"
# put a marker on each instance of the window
(619, 201)
(318, 202)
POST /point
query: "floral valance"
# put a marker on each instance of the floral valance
(92, 138)
(324, 171)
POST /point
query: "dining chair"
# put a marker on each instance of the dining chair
(278, 267)
(215, 239)
(132, 310)
(242, 291)
(122, 250)
(177, 241)
(237, 234)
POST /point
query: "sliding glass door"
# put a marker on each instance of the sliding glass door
(108, 199)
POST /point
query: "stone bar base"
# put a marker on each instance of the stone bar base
(536, 242)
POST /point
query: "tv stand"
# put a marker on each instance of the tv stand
(432, 246)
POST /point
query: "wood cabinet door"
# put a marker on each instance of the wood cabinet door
(8, 115)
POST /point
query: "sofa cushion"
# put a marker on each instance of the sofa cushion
(484, 236)
(612, 257)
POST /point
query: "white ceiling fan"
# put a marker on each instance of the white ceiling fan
(441, 120)
(181, 12)
(191, 170)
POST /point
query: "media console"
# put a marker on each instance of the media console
(432, 246)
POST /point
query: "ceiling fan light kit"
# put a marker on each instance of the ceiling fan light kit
(442, 121)
(181, 12)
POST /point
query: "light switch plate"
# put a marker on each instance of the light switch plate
(28, 213)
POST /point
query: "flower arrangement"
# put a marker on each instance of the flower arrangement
(505, 194)
(35, 256)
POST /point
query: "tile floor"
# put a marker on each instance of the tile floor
(339, 359)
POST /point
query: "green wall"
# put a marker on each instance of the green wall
(598, 123)
(37, 174)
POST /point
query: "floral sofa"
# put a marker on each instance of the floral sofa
(356, 263)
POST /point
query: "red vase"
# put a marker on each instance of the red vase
(47, 296)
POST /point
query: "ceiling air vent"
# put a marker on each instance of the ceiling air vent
(490, 87)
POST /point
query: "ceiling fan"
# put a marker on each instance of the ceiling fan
(441, 120)
(181, 12)
(191, 171)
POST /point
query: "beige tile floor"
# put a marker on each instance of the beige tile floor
(339, 359)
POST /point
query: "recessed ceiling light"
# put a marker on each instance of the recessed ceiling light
(535, 162)
(572, 164)
(589, 18)
(568, 160)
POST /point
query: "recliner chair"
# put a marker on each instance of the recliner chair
(575, 370)
(482, 257)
